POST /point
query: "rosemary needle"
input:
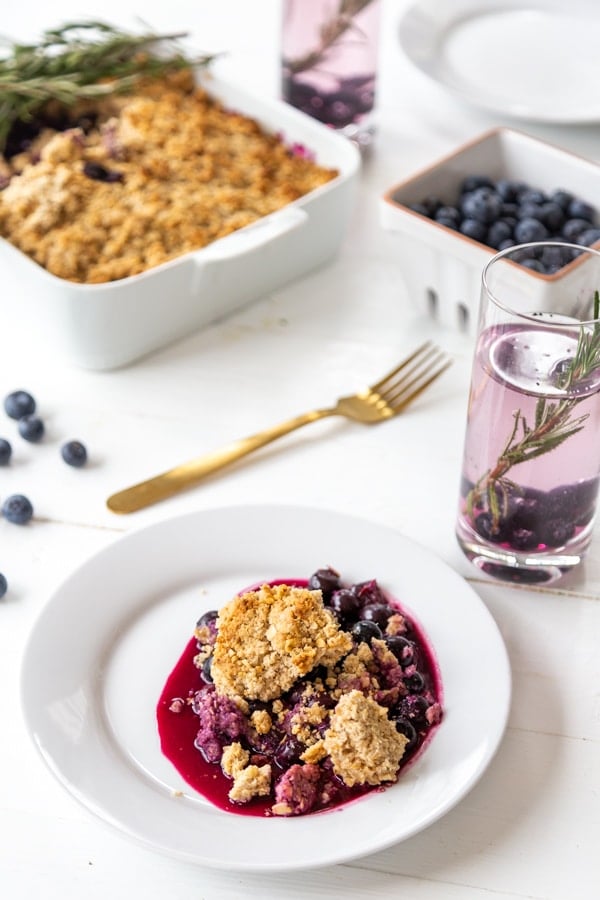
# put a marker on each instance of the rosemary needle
(82, 60)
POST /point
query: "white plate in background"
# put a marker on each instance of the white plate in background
(103, 646)
(536, 60)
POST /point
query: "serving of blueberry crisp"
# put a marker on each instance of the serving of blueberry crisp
(298, 696)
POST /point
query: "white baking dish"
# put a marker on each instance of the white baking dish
(104, 326)
(442, 268)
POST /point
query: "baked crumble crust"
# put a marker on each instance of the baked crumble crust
(187, 171)
(268, 639)
(364, 746)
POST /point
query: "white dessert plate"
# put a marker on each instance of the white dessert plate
(530, 59)
(103, 646)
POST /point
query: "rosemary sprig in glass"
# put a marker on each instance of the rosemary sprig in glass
(553, 424)
(82, 60)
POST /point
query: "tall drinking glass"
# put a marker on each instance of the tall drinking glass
(531, 461)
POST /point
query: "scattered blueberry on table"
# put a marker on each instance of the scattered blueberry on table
(19, 404)
(5, 452)
(31, 428)
(17, 509)
(74, 454)
(502, 213)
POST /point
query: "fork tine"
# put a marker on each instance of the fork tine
(423, 349)
(400, 386)
(402, 399)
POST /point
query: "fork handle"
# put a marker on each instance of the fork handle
(187, 474)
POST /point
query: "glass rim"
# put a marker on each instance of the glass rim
(532, 317)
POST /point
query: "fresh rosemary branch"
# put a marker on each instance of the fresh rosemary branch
(82, 60)
(331, 31)
(553, 424)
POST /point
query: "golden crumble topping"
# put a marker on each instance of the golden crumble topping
(174, 171)
(363, 744)
(253, 781)
(269, 638)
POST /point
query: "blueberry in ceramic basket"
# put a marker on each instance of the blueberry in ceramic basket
(31, 428)
(19, 404)
(17, 509)
(3, 585)
(74, 454)
(5, 452)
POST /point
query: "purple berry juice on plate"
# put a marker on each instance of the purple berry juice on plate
(531, 462)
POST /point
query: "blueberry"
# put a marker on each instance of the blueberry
(589, 237)
(207, 617)
(97, 172)
(403, 649)
(523, 539)
(505, 245)
(529, 230)
(573, 228)
(556, 532)
(485, 526)
(288, 752)
(579, 209)
(378, 613)
(484, 205)
(415, 683)
(499, 231)
(325, 580)
(5, 452)
(473, 182)
(508, 190)
(473, 229)
(19, 404)
(446, 222)
(563, 198)
(419, 208)
(552, 216)
(17, 509)
(404, 726)
(31, 428)
(206, 670)
(3, 585)
(413, 707)
(366, 632)
(345, 603)
(448, 213)
(531, 195)
(368, 592)
(554, 258)
(74, 454)
(432, 204)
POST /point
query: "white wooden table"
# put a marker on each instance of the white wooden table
(531, 826)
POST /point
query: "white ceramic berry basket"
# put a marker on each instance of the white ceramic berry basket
(106, 326)
(441, 267)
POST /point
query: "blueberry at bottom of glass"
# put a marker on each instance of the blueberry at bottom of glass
(349, 103)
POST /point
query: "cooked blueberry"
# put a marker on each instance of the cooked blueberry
(365, 632)
(17, 509)
(74, 454)
(403, 649)
(413, 707)
(31, 428)
(368, 592)
(415, 683)
(345, 603)
(325, 580)
(487, 528)
(474, 229)
(206, 670)
(378, 613)
(405, 727)
(579, 209)
(19, 404)
(97, 172)
(529, 230)
(5, 452)
(288, 752)
(207, 617)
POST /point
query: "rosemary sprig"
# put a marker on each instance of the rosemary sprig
(82, 60)
(553, 424)
(341, 20)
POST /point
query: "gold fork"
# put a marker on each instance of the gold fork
(381, 401)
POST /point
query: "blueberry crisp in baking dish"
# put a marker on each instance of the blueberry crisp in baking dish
(298, 696)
